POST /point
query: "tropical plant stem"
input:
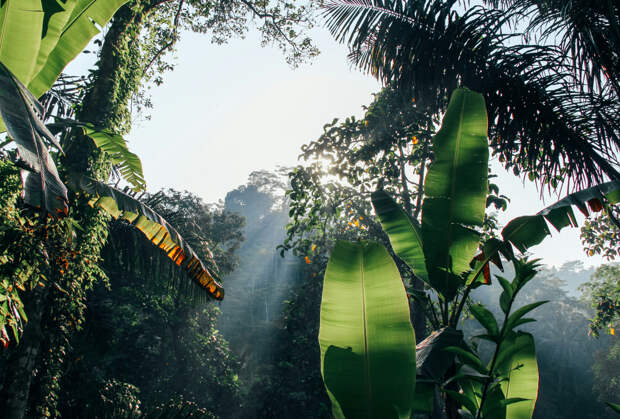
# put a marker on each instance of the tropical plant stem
(418, 204)
(456, 314)
(495, 355)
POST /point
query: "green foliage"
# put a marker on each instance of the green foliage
(548, 121)
(511, 383)
(508, 386)
(606, 381)
(155, 228)
(455, 191)
(367, 341)
(602, 292)
(330, 197)
(142, 330)
(600, 235)
(22, 116)
(565, 354)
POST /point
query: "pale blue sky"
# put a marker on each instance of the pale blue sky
(228, 110)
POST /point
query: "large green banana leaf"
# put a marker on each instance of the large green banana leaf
(79, 28)
(57, 14)
(156, 229)
(520, 372)
(367, 341)
(455, 191)
(527, 231)
(21, 23)
(404, 235)
(39, 38)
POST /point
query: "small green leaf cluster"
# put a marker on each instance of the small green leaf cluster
(501, 388)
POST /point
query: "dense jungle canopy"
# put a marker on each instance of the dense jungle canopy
(370, 278)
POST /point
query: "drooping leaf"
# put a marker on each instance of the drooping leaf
(431, 359)
(525, 232)
(404, 236)
(128, 163)
(366, 338)
(485, 318)
(156, 229)
(22, 116)
(468, 358)
(456, 190)
(114, 145)
(78, 30)
(520, 373)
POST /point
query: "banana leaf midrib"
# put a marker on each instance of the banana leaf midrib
(455, 159)
(77, 17)
(365, 328)
(6, 12)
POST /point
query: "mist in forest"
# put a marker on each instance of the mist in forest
(265, 289)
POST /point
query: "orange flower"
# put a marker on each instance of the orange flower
(414, 140)
(307, 259)
(612, 331)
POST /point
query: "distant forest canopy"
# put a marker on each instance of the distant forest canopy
(106, 288)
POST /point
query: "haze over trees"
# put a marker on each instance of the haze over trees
(107, 288)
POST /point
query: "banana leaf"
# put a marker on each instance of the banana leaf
(520, 372)
(20, 36)
(79, 29)
(404, 235)
(127, 163)
(525, 232)
(367, 341)
(114, 145)
(57, 14)
(455, 191)
(156, 229)
(22, 115)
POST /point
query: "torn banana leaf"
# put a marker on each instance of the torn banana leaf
(156, 229)
(525, 232)
(22, 115)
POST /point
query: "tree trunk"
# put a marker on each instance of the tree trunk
(116, 79)
(20, 365)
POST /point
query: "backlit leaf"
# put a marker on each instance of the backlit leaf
(455, 191)
(156, 229)
(366, 338)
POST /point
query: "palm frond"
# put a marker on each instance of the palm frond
(541, 124)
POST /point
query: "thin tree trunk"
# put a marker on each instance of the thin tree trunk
(20, 365)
